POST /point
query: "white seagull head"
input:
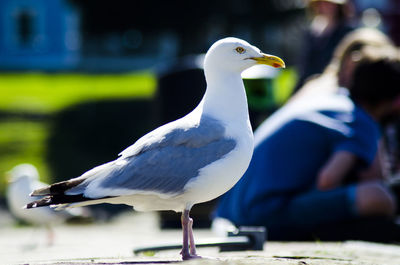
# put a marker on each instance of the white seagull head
(236, 55)
(24, 171)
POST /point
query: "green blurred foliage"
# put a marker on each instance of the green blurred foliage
(284, 85)
(268, 94)
(28, 101)
(43, 93)
(21, 141)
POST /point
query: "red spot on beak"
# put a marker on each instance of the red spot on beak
(276, 65)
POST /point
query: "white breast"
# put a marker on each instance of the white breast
(220, 176)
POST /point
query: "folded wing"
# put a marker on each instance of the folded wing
(162, 164)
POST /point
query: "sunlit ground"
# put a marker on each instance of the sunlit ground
(114, 242)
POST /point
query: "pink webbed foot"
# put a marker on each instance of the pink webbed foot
(188, 256)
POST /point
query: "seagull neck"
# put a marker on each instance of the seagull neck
(225, 96)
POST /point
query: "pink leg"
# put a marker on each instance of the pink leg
(50, 235)
(185, 244)
(187, 223)
(191, 240)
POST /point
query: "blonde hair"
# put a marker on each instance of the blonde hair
(354, 44)
(356, 41)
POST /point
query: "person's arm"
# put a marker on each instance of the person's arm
(376, 171)
(336, 168)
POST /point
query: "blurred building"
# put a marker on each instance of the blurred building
(39, 34)
(115, 36)
(104, 36)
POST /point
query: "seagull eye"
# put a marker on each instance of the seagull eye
(240, 50)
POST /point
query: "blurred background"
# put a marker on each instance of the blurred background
(82, 80)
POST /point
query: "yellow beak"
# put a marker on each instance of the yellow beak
(270, 60)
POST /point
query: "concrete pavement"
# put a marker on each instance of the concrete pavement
(113, 242)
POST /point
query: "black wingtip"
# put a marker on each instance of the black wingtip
(57, 188)
(30, 205)
(53, 200)
(46, 201)
(41, 192)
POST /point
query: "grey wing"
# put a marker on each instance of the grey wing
(166, 165)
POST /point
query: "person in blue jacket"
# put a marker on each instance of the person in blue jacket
(316, 161)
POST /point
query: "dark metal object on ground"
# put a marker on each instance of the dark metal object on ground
(245, 238)
(255, 238)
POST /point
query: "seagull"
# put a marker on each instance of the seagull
(23, 179)
(191, 160)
